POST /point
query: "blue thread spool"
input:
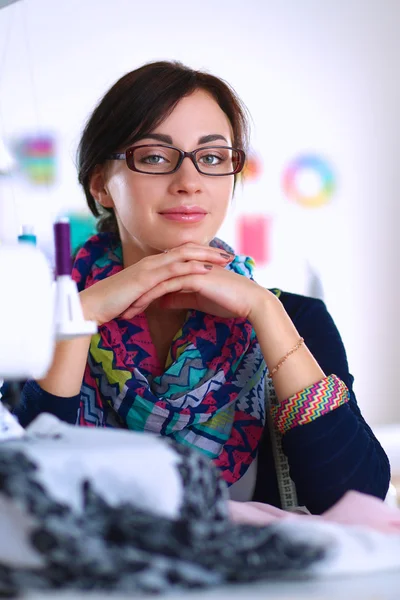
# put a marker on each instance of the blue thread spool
(27, 236)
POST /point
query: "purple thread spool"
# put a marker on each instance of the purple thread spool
(62, 240)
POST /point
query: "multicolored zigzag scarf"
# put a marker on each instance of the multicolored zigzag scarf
(210, 395)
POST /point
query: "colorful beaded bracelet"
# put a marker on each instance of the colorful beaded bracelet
(309, 404)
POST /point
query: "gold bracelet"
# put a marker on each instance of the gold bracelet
(280, 363)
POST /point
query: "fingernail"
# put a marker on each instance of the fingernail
(209, 267)
(227, 256)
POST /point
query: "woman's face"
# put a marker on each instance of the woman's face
(143, 203)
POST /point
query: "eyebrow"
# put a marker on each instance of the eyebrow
(205, 139)
(167, 139)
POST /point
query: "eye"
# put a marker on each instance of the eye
(153, 159)
(210, 159)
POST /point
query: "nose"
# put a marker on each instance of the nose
(186, 180)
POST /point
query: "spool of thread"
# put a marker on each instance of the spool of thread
(62, 238)
(27, 236)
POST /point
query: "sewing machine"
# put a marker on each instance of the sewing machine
(36, 310)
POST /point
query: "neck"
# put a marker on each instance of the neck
(132, 250)
(133, 253)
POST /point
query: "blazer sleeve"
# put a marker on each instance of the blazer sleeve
(34, 400)
(337, 451)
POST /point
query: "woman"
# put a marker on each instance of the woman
(188, 342)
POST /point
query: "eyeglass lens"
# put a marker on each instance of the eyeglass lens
(158, 159)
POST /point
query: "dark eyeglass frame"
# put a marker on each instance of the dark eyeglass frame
(129, 152)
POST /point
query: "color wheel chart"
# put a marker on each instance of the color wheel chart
(309, 181)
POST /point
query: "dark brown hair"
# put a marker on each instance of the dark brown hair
(135, 105)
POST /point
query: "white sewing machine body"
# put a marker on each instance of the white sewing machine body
(26, 313)
(35, 311)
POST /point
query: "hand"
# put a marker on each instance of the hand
(221, 293)
(116, 296)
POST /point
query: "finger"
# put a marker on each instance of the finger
(197, 252)
(131, 312)
(177, 284)
(172, 270)
(178, 262)
(141, 279)
(148, 275)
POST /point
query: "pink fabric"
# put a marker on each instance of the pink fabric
(353, 509)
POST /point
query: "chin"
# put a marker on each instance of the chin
(173, 241)
(201, 240)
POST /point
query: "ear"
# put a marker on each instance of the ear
(98, 187)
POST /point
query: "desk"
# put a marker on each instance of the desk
(382, 586)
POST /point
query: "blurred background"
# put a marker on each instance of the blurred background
(318, 204)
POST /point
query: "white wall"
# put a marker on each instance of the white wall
(315, 75)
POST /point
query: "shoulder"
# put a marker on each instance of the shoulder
(298, 306)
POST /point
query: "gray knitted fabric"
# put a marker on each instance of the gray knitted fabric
(97, 543)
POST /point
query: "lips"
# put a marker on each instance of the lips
(184, 214)
(184, 210)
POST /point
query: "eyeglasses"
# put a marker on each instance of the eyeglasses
(157, 159)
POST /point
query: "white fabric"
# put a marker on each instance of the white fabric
(9, 426)
(118, 465)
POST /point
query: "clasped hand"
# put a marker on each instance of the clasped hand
(190, 276)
